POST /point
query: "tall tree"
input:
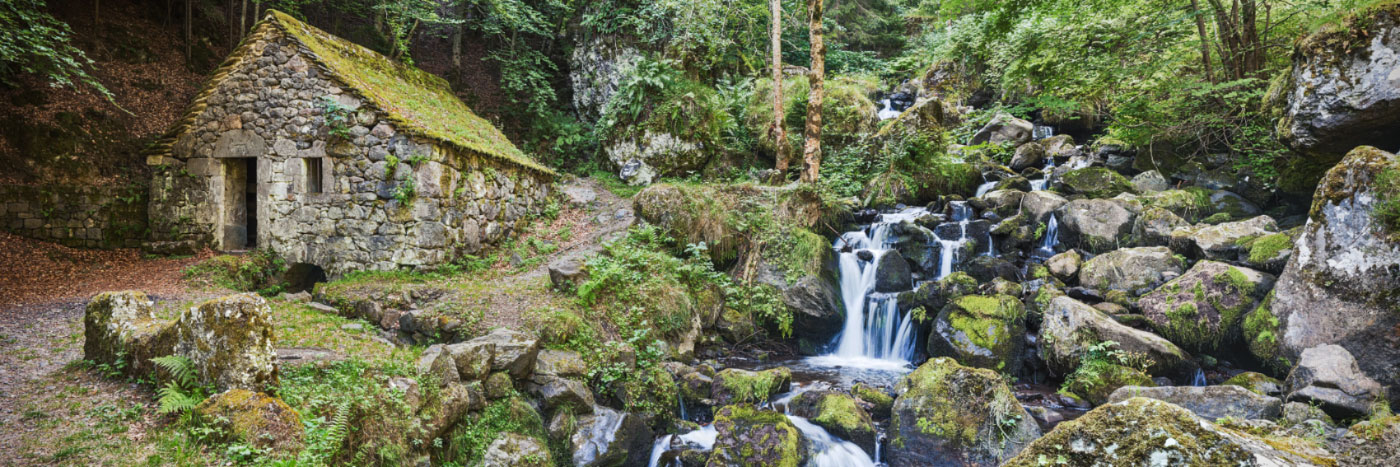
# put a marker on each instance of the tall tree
(1205, 39)
(812, 150)
(775, 8)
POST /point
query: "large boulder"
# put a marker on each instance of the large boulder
(1130, 269)
(839, 414)
(980, 331)
(516, 450)
(1065, 266)
(1342, 284)
(1004, 129)
(1154, 226)
(947, 414)
(1209, 402)
(745, 435)
(1096, 225)
(503, 349)
(1327, 375)
(255, 418)
(1202, 309)
(229, 340)
(1070, 328)
(1267, 253)
(1027, 155)
(609, 437)
(1094, 182)
(734, 385)
(598, 67)
(1097, 379)
(1150, 181)
(892, 273)
(1040, 204)
(1142, 431)
(120, 330)
(810, 291)
(1343, 91)
(1220, 242)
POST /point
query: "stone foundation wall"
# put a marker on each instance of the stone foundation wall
(390, 200)
(76, 215)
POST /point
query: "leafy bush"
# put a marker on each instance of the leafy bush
(258, 270)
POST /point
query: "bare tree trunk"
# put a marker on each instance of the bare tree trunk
(243, 21)
(812, 150)
(775, 8)
(1205, 40)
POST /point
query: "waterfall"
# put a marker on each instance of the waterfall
(887, 110)
(702, 439)
(984, 188)
(875, 333)
(828, 450)
(1040, 132)
(1199, 379)
(1052, 237)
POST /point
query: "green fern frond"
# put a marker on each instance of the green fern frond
(180, 368)
(174, 399)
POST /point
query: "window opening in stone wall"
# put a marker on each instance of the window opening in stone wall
(313, 175)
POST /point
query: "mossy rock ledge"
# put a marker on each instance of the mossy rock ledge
(1141, 431)
(122, 327)
(949, 414)
(839, 414)
(255, 418)
(1070, 327)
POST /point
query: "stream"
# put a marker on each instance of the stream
(878, 344)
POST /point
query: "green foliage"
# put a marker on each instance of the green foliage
(350, 413)
(258, 270)
(1387, 207)
(182, 391)
(36, 43)
(338, 118)
(508, 415)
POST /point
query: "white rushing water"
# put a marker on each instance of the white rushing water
(875, 334)
(828, 450)
(986, 187)
(702, 439)
(887, 110)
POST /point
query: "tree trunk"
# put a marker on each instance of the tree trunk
(812, 150)
(775, 36)
(1205, 40)
(243, 21)
(189, 31)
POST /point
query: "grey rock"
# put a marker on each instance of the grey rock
(1070, 327)
(1150, 181)
(1096, 225)
(1004, 129)
(1328, 375)
(1208, 402)
(610, 437)
(1130, 269)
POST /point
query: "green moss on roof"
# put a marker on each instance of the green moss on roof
(415, 100)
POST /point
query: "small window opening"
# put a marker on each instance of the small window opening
(313, 175)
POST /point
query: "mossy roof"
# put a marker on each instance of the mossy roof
(416, 101)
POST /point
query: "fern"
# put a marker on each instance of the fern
(182, 392)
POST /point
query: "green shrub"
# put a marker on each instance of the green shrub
(258, 270)
(1387, 207)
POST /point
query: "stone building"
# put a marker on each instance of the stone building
(337, 156)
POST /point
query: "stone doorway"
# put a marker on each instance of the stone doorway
(240, 203)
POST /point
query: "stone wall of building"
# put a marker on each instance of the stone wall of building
(76, 215)
(389, 200)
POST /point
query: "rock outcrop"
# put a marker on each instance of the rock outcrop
(1209, 402)
(229, 340)
(121, 330)
(1342, 283)
(1343, 90)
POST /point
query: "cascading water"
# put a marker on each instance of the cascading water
(828, 450)
(1052, 238)
(887, 110)
(950, 247)
(1040, 132)
(1199, 379)
(875, 334)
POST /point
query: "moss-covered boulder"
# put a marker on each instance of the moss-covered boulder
(1267, 253)
(1070, 328)
(1040, 204)
(1006, 130)
(1257, 383)
(676, 134)
(980, 331)
(1191, 204)
(1094, 182)
(733, 385)
(502, 350)
(120, 329)
(1142, 431)
(1346, 265)
(517, 450)
(1220, 242)
(880, 401)
(1341, 91)
(745, 435)
(1131, 270)
(1096, 225)
(1154, 226)
(229, 340)
(255, 418)
(948, 411)
(839, 414)
(1202, 309)
(1096, 380)
(1028, 155)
